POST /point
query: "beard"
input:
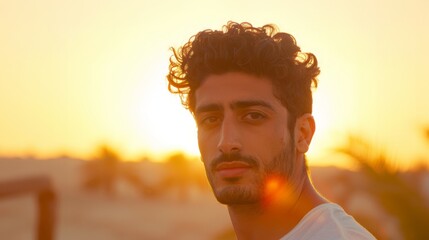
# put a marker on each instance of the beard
(280, 167)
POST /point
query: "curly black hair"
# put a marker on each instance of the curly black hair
(240, 47)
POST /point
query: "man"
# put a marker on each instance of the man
(249, 90)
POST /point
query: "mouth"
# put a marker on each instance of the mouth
(232, 169)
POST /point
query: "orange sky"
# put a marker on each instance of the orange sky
(77, 73)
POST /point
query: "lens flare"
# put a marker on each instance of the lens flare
(272, 186)
(277, 191)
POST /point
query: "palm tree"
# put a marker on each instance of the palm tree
(398, 198)
(102, 172)
(107, 168)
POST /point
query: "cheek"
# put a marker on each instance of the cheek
(265, 143)
(278, 139)
(201, 143)
(285, 137)
(280, 134)
(206, 144)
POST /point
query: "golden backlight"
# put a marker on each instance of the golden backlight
(75, 75)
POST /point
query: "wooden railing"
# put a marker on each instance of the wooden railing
(41, 187)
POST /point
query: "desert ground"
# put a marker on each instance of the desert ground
(94, 215)
(178, 209)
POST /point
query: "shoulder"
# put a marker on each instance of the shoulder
(328, 221)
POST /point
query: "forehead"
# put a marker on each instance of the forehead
(233, 87)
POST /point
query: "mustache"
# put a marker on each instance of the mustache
(234, 157)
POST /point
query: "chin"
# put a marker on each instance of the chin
(235, 195)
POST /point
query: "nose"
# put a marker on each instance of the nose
(229, 140)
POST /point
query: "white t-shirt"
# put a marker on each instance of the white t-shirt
(328, 221)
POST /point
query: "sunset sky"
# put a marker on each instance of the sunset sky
(74, 74)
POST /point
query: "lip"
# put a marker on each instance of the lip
(232, 169)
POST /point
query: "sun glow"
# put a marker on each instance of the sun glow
(163, 122)
(277, 191)
(76, 75)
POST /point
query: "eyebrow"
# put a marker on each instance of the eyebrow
(250, 103)
(208, 108)
(234, 105)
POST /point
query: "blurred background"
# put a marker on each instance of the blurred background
(84, 103)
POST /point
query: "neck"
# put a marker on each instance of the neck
(276, 216)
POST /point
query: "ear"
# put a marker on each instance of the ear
(304, 131)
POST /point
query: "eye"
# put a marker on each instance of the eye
(209, 121)
(254, 117)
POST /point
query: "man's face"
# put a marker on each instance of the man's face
(243, 136)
